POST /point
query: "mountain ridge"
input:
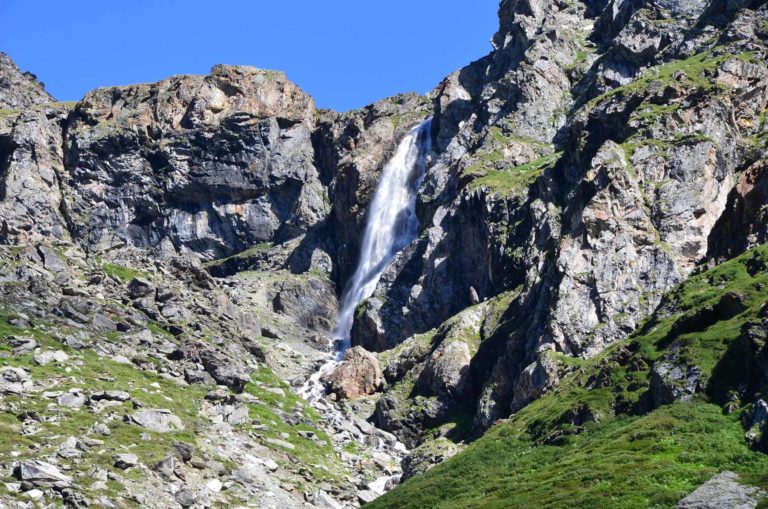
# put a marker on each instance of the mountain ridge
(201, 228)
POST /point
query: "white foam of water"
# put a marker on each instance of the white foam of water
(391, 225)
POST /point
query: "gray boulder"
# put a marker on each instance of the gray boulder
(185, 498)
(22, 345)
(47, 356)
(723, 491)
(111, 395)
(51, 259)
(224, 370)
(14, 380)
(159, 420)
(140, 287)
(72, 399)
(42, 474)
(126, 461)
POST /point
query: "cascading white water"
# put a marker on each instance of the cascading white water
(391, 225)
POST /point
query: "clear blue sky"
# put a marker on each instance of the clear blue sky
(346, 53)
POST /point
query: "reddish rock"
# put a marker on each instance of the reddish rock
(358, 375)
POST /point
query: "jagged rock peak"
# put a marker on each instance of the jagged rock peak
(189, 101)
(19, 89)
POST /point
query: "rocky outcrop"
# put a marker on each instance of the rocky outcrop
(358, 375)
(743, 223)
(596, 234)
(723, 490)
(32, 166)
(311, 301)
(430, 378)
(672, 380)
(427, 456)
(210, 165)
(19, 90)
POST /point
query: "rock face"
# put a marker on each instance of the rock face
(723, 490)
(31, 164)
(757, 425)
(312, 302)
(358, 375)
(593, 214)
(141, 147)
(18, 89)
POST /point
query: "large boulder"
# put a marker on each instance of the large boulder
(723, 490)
(426, 456)
(359, 374)
(140, 287)
(158, 420)
(42, 474)
(14, 380)
(224, 371)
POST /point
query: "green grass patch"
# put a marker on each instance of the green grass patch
(89, 372)
(648, 113)
(595, 440)
(631, 145)
(510, 181)
(631, 462)
(158, 329)
(124, 274)
(693, 72)
(70, 105)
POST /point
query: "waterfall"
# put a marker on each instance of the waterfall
(391, 225)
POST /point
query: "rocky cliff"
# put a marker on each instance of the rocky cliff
(172, 255)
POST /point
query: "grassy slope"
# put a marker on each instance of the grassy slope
(625, 456)
(90, 372)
